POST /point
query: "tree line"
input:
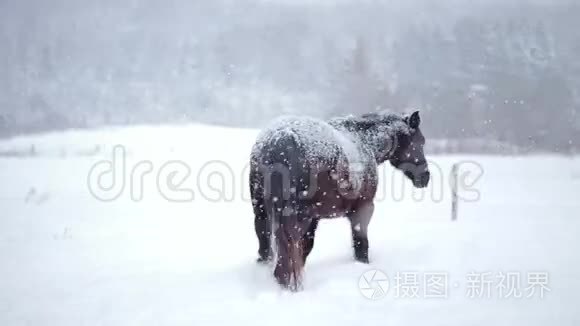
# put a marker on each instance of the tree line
(506, 73)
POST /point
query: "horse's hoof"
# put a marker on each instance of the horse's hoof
(363, 260)
(263, 260)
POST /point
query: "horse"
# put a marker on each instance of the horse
(304, 169)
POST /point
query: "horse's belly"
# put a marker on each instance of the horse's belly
(335, 202)
(330, 205)
(332, 200)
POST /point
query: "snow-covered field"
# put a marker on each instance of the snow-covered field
(68, 258)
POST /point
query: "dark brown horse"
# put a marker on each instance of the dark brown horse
(304, 169)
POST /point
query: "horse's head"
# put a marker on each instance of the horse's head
(408, 155)
(395, 139)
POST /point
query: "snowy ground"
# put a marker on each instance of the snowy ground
(68, 258)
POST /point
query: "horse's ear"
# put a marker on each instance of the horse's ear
(414, 120)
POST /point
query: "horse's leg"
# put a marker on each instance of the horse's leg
(263, 232)
(262, 223)
(359, 222)
(308, 238)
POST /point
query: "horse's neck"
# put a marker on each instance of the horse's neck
(355, 136)
(376, 143)
(360, 140)
(374, 139)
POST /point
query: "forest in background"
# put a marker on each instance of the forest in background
(499, 73)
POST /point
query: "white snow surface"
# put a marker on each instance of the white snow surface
(69, 259)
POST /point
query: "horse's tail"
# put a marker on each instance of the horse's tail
(284, 207)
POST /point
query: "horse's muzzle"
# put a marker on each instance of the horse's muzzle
(420, 180)
(423, 180)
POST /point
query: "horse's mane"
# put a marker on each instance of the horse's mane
(392, 122)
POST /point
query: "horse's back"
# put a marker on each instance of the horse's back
(323, 156)
(314, 137)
